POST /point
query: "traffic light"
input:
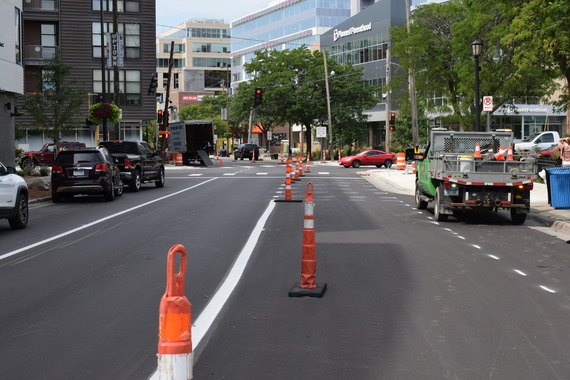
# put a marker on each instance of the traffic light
(258, 96)
(153, 84)
(392, 121)
(159, 117)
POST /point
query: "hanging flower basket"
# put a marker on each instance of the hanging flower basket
(100, 111)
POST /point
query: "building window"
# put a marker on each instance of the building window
(18, 36)
(176, 63)
(131, 33)
(176, 81)
(129, 85)
(211, 62)
(122, 5)
(210, 48)
(178, 48)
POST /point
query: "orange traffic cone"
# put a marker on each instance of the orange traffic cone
(477, 153)
(307, 170)
(510, 154)
(500, 155)
(307, 287)
(221, 162)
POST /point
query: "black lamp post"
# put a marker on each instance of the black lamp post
(476, 47)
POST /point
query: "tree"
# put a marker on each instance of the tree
(293, 84)
(56, 109)
(439, 52)
(208, 109)
(541, 34)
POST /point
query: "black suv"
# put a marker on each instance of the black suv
(91, 171)
(246, 151)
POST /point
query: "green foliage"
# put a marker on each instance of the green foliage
(56, 108)
(100, 111)
(208, 109)
(294, 92)
(438, 49)
(18, 153)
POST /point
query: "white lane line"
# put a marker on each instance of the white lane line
(211, 311)
(547, 289)
(520, 272)
(494, 257)
(230, 173)
(195, 175)
(6, 255)
(324, 173)
(476, 246)
(261, 173)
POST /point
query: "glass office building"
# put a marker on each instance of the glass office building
(286, 25)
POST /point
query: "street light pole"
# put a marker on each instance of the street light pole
(476, 47)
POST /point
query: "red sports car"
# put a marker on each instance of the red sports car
(369, 157)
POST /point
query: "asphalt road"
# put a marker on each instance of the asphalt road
(407, 297)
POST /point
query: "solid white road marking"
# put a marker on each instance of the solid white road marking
(547, 289)
(520, 272)
(6, 255)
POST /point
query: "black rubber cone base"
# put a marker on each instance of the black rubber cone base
(297, 291)
(285, 200)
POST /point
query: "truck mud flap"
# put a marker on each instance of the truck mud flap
(204, 158)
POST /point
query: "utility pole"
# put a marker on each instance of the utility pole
(412, 90)
(167, 100)
(103, 76)
(116, 89)
(328, 103)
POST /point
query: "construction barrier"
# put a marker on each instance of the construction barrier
(179, 161)
(308, 286)
(401, 161)
(413, 167)
(175, 356)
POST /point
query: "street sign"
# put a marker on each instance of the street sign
(487, 103)
(321, 132)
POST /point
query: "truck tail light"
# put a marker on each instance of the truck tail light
(446, 185)
(101, 168)
(56, 169)
(127, 163)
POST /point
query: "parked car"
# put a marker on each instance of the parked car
(47, 155)
(138, 162)
(246, 151)
(546, 153)
(369, 157)
(13, 198)
(91, 171)
(542, 140)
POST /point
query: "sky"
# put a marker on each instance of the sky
(171, 13)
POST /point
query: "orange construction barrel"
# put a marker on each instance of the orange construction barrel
(401, 161)
(179, 159)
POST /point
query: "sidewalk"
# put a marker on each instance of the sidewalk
(399, 181)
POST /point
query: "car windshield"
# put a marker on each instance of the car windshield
(361, 154)
(78, 157)
(117, 147)
(531, 137)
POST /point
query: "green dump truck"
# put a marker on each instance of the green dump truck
(474, 170)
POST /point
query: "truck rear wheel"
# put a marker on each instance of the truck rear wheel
(438, 203)
(420, 204)
(517, 218)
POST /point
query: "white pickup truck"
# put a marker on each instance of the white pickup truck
(543, 140)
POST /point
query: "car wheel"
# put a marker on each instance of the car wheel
(56, 198)
(160, 181)
(21, 219)
(110, 194)
(420, 204)
(355, 164)
(437, 205)
(28, 163)
(120, 189)
(135, 183)
(388, 164)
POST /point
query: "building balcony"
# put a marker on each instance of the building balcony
(41, 5)
(39, 55)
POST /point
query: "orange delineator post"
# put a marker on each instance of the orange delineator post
(308, 287)
(300, 168)
(307, 170)
(296, 170)
(175, 356)
(288, 194)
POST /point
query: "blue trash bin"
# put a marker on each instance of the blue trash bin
(559, 187)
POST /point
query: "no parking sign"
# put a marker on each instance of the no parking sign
(487, 103)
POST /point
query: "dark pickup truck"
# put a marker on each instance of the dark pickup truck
(137, 161)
